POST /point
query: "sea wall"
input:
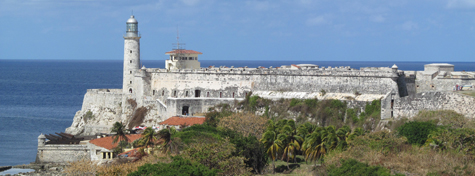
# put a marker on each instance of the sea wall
(61, 153)
(411, 105)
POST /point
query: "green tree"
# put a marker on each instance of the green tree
(416, 132)
(149, 137)
(290, 141)
(314, 147)
(120, 133)
(271, 143)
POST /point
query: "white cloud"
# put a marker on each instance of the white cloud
(409, 25)
(460, 4)
(319, 20)
(190, 2)
(260, 5)
(377, 18)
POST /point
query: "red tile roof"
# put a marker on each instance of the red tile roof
(295, 65)
(189, 121)
(183, 52)
(106, 142)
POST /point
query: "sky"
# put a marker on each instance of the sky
(300, 30)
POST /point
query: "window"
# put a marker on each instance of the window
(233, 94)
(184, 110)
(130, 72)
(130, 82)
(163, 92)
(174, 93)
(153, 93)
(197, 93)
(130, 90)
(130, 51)
(130, 61)
(186, 94)
(207, 95)
(220, 94)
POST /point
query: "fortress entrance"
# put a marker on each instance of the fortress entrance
(184, 110)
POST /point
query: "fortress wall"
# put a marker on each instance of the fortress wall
(61, 153)
(411, 105)
(102, 98)
(440, 84)
(196, 105)
(225, 84)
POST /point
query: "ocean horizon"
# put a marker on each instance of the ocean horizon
(42, 96)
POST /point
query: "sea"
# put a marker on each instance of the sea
(42, 96)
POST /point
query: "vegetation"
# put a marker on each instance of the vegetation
(308, 137)
(178, 167)
(119, 131)
(351, 167)
(137, 117)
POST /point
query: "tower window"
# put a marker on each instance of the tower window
(163, 92)
(220, 94)
(130, 72)
(130, 51)
(130, 61)
(130, 90)
(174, 93)
(153, 92)
(130, 82)
(186, 94)
(207, 95)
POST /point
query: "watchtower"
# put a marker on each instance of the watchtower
(131, 54)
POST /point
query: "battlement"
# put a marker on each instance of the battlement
(337, 71)
(111, 91)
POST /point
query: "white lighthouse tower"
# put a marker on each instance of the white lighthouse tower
(131, 55)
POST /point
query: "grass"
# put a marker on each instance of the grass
(298, 168)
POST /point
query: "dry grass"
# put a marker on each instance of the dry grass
(446, 117)
(403, 158)
(87, 167)
(245, 123)
(137, 117)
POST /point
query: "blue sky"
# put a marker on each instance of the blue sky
(317, 30)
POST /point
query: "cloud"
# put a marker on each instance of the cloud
(377, 18)
(319, 20)
(461, 4)
(190, 2)
(409, 25)
(260, 5)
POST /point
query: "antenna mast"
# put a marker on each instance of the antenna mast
(179, 46)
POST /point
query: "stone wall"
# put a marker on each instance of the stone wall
(61, 153)
(411, 105)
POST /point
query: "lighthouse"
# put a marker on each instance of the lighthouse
(131, 55)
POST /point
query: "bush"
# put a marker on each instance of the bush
(416, 132)
(178, 166)
(353, 167)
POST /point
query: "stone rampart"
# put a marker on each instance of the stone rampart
(411, 105)
(61, 153)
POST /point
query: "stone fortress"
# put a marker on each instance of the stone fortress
(185, 88)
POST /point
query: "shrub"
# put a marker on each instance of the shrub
(246, 124)
(353, 167)
(416, 132)
(178, 166)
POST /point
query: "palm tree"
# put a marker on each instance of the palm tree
(166, 135)
(314, 146)
(120, 132)
(343, 133)
(272, 144)
(290, 141)
(149, 137)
